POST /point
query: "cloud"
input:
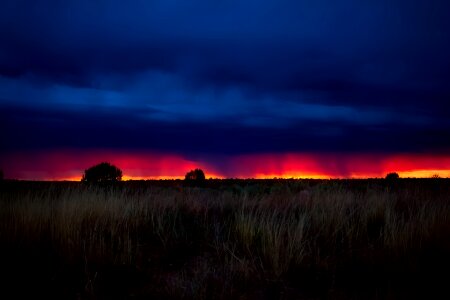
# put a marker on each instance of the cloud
(44, 129)
(243, 76)
(270, 45)
(163, 97)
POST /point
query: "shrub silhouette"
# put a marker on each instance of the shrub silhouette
(103, 172)
(392, 176)
(195, 175)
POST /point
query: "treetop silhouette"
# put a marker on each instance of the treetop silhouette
(392, 176)
(103, 172)
(195, 175)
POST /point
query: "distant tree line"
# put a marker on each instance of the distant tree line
(107, 173)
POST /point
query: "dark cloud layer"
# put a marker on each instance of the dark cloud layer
(225, 77)
(44, 130)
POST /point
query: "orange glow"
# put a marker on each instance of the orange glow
(70, 164)
(325, 166)
(425, 173)
(291, 175)
(73, 178)
(162, 177)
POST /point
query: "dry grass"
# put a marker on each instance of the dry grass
(248, 239)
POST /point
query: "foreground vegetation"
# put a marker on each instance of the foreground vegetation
(229, 239)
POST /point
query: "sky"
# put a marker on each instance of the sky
(251, 89)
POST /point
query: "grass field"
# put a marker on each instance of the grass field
(228, 239)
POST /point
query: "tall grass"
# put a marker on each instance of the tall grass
(284, 239)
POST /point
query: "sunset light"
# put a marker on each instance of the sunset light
(69, 165)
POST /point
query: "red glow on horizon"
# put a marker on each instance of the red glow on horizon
(325, 166)
(70, 164)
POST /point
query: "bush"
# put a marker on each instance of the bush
(195, 175)
(103, 172)
(392, 176)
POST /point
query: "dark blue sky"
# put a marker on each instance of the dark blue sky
(225, 77)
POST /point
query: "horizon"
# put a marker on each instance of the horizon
(70, 165)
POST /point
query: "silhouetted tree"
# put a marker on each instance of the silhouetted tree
(392, 176)
(195, 175)
(103, 172)
(435, 176)
(1, 174)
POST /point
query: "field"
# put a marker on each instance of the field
(226, 239)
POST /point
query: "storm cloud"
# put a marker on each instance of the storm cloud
(225, 77)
